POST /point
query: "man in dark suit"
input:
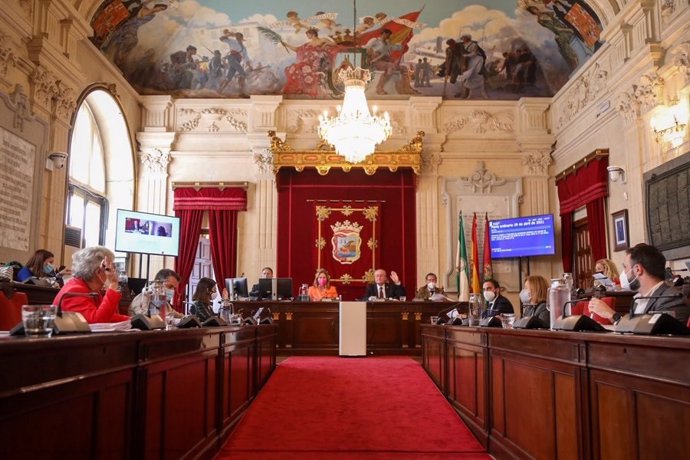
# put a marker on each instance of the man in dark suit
(495, 302)
(266, 273)
(644, 272)
(382, 289)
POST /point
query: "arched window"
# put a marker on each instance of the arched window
(101, 169)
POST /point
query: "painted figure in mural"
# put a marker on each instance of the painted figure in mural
(379, 54)
(562, 32)
(418, 74)
(295, 21)
(426, 73)
(525, 72)
(366, 24)
(326, 21)
(123, 40)
(314, 61)
(183, 68)
(472, 77)
(237, 54)
(455, 60)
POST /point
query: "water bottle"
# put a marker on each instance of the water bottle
(157, 305)
(304, 293)
(475, 310)
(559, 294)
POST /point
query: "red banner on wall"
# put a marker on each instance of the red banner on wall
(347, 236)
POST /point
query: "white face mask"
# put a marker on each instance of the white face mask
(214, 296)
(489, 295)
(431, 286)
(525, 296)
(629, 285)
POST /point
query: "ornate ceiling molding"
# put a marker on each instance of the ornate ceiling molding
(642, 97)
(7, 55)
(584, 91)
(65, 101)
(212, 120)
(482, 180)
(44, 86)
(681, 58)
(155, 160)
(323, 158)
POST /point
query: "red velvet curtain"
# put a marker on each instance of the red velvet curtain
(588, 184)
(190, 228)
(223, 233)
(222, 205)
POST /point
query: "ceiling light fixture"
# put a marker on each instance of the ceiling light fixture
(354, 132)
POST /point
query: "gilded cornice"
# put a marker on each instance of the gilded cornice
(324, 157)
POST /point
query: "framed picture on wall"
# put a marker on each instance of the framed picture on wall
(621, 237)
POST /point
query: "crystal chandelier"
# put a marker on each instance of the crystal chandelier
(354, 132)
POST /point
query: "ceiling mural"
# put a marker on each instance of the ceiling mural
(495, 49)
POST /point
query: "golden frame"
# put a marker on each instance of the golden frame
(323, 157)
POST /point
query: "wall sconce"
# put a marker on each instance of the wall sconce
(674, 134)
(56, 160)
(616, 173)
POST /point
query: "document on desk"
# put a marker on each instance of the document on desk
(111, 327)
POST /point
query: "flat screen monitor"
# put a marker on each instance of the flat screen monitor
(237, 286)
(522, 237)
(136, 285)
(283, 288)
(144, 233)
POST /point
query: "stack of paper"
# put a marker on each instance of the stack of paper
(111, 327)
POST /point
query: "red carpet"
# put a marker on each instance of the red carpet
(349, 408)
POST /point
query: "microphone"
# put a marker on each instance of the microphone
(570, 322)
(649, 297)
(657, 322)
(443, 314)
(72, 321)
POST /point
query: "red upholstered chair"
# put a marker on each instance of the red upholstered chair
(11, 309)
(580, 308)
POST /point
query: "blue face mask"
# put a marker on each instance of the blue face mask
(169, 294)
(48, 269)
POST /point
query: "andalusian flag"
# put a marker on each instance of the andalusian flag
(488, 268)
(461, 265)
(476, 284)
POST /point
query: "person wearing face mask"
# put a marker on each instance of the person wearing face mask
(93, 290)
(204, 295)
(644, 272)
(430, 289)
(170, 280)
(322, 289)
(266, 273)
(533, 299)
(41, 265)
(607, 268)
(495, 302)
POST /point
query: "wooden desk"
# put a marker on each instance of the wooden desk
(312, 327)
(543, 394)
(173, 394)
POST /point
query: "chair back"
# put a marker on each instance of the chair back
(580, 308)
(11, 309)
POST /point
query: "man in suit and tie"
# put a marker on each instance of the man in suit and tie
(495, 302)
(382, 289)
(644, 271)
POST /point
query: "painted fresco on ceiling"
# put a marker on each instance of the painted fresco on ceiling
(453, 48)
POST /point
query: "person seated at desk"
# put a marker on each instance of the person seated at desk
(322, 289)
(40, 265)
(170, 280)
(644, 272)
(93, 271)
(533, 298)
(430, 289)
(382, 289)
(204, 295)
(607, 268)
(495, 302)
(266, 273)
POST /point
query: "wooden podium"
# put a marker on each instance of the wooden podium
(353, 329)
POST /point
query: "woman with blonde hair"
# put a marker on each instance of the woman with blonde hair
(533, 298)
(322, 289)
(607, 268)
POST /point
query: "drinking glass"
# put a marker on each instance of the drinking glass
(38, 320)
(507, 320)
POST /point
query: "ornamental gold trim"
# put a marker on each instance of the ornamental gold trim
(323, 158)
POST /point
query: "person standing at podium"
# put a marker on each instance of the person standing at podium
(322, 289)
(382, 289)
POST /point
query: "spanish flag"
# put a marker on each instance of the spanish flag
(486, 262)
(402, 30)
